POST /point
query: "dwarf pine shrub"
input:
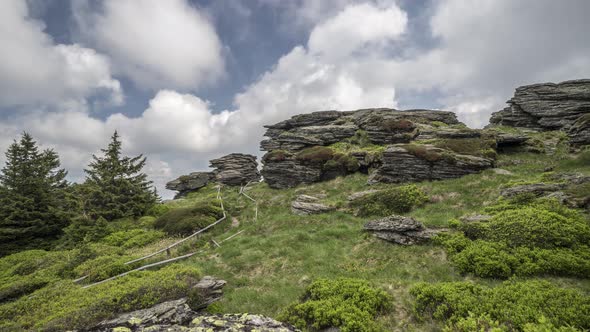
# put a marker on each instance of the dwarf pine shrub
(348, 304)
(395, 200)
(184, 221)
(512, 305)
(524, 238)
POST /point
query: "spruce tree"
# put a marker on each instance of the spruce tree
(115, 185)
(32, 204)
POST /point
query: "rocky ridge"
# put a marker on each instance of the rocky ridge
(323, 145)
(550, 106)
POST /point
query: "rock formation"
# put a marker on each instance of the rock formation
(323, 145)
(406, 163)
(549, 106)
(183, 315)
(191, 182)
(305, 205)
(234, 169)
(178, 316)
(400, 230)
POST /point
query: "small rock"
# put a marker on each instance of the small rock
(501, 171)
(476, 218)
(189, 183)
(400, 230)
(538, 189)
(306, 205)
(357, 195)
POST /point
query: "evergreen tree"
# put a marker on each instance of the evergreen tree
(115, 185)
(32, 189)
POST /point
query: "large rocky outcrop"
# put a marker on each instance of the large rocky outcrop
(235, 169)
(319, 146)
(549, 106)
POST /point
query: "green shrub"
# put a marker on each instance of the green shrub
(349, 304)
(342, 162)
(360, 138)
(395, 200)
(513, 303)
(185, 221)
(103, 267)
(534, 227)
(84, 229)
(316, 155)
(158, 210)
(66, 306)
(133, 238)
(472, 323)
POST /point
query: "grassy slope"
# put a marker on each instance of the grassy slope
(269, 265)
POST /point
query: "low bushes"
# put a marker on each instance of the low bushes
(65, 306)
(395, 200)
(185, 221)
(348, 304)
(512, 305)
(526, 238)
(133, 238)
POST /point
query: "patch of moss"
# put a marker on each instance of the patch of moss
(276, 156)
(396, 125)
(423, 152)
(481, 147)
(315, 155)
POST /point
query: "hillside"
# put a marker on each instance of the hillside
(507, 207)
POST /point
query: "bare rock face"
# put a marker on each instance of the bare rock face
(405, 163)
(400, 230)
(549, 106)
(236, 169)
(191, 182)
(306, 205)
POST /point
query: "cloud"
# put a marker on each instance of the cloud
(157, 44)
(36, 72)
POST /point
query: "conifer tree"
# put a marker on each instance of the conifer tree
(32, 188)
(115, 185)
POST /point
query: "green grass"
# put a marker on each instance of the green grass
(279, 255)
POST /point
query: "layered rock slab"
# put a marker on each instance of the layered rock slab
(235, 169)
(413, 163)
(401, 230)
(549, 106)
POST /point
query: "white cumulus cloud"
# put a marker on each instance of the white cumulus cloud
(34, 71)
(157, 44)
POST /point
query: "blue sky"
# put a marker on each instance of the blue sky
(186, 81)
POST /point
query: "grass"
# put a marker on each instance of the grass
(279, 255)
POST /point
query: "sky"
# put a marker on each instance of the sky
(186, 81)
